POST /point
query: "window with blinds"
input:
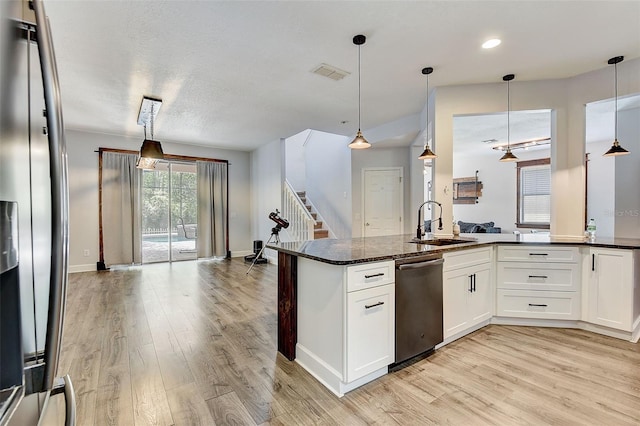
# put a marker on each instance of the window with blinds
(534, 193)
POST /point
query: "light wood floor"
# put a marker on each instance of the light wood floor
(194, 343)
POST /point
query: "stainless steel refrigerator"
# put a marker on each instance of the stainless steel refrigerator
(33, 221)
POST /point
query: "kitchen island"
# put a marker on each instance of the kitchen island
(576, 283)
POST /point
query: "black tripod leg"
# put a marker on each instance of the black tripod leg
(260, 253)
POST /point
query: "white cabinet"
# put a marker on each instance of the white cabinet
(539, 282)
(346, 322)
(613, 293)
(467, 292)
(370, 330)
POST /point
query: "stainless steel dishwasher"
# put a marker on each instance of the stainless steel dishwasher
(418, 306)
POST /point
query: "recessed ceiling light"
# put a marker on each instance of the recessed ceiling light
(490, 44)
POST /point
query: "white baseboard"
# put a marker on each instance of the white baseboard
(330, 377)
(241, 253)
(463, 333)
(82, 268)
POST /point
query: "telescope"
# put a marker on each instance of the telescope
(275, 216)
(280, 223)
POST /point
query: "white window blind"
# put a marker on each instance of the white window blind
(535, 194)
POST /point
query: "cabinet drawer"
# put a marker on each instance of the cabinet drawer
(538, 304)
(464, 258)
(541, 254)
(537, 276)
(369, 275)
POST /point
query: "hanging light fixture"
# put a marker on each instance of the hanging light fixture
(427, 153)
(151, 150)
(359, 142)
(508, 155)
(615, 149)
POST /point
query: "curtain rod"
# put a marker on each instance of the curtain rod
(166, 156)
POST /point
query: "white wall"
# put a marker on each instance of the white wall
(83, 192)
(498, 202)
(627, 170)
(601, 188)
(267, 176)
(294, 160)
(328, 179)
(567, 98)
(379, 157)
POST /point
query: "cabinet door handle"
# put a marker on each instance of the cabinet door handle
(374, 275)
(474, 283)
(374, 305)
(538, 254)
(538, 305)
(544, 277)
(470, 283)
(593, 262)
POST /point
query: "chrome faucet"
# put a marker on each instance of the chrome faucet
(419, 232)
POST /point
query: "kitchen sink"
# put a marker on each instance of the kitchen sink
(441, 241)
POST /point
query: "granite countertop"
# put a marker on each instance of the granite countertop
(371, 249)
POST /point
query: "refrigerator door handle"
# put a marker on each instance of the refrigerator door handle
(59, 195)
(70, 402)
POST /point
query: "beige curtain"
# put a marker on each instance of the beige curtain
(212, 208)
(121, 209)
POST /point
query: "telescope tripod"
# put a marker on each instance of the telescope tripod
(275, 235)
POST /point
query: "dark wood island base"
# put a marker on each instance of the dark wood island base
(287, 305)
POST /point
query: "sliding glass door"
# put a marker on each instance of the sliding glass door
(169, 208)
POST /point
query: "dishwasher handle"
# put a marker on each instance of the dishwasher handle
(419, 265)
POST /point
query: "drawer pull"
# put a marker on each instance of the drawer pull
(537, 305)
(544, 277)
(538, 254)
(374, 305)
(374, 275)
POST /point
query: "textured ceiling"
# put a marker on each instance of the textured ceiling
(237, 74)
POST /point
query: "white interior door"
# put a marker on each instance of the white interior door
(382, 201)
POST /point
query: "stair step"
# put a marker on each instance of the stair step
(318, 225)
(314, 216)
(320, 233)
(308, 207)
(301, 193)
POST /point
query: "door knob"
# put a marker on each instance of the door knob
(366, 224)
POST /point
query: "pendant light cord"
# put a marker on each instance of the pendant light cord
(426, 136)
(359, 90)
(152, 121)
(615, 115)
(508, 115)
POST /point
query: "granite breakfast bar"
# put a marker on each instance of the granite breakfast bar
(315, 280)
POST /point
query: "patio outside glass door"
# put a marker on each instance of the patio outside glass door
(169, 208)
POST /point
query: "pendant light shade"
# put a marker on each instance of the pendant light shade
(150, 153)
(508, 155)
(615, 149)
(359, 142)
(151, 150)
(427, 153)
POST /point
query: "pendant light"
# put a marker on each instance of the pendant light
(359, 142)
(615, 149)
(508, 156)
(151, 150)
(427, 154)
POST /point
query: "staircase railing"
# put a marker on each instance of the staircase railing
(301, 223)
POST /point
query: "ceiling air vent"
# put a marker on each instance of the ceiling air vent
(330, 72)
